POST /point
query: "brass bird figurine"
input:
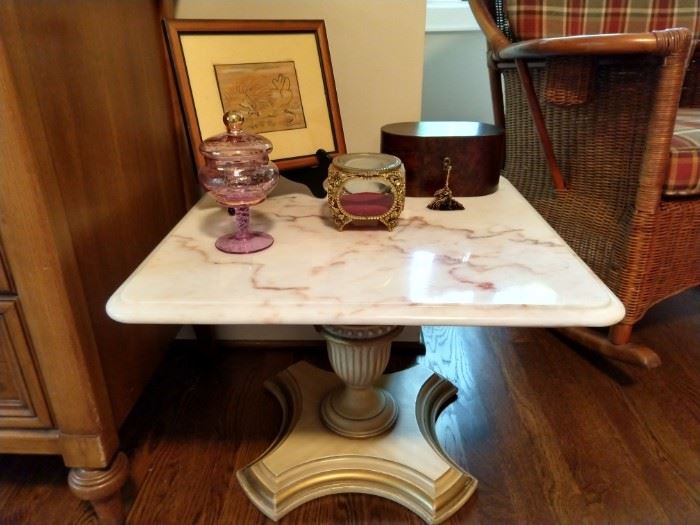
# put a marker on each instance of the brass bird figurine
(443, 200)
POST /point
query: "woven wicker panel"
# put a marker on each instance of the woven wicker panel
(569, 80)
(671, 256)
(600, 148)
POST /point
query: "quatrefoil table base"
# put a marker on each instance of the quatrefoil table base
(399, 458)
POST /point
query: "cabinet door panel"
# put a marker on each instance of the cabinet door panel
(22, 403)
(5, 285)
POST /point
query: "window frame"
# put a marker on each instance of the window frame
(449, 15)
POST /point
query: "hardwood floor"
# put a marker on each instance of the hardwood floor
(553, 435)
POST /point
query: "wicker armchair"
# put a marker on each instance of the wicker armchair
(590, 140)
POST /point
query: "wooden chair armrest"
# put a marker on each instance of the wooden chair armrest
(662, 43)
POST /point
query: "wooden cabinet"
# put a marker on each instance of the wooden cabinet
(22, 403)
(93, 173)
(5, 286)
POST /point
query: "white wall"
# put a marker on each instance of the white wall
(455, 79)
(376, 48)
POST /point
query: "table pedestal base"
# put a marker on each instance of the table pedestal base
(404, 464)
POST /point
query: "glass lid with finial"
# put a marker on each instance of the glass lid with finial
(238, 173)
(235, 143)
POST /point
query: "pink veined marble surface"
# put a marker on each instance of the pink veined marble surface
(495, 263)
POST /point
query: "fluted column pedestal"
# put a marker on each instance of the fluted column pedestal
(359, 355)
(358, 431)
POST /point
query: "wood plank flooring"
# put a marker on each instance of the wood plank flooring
(553, 434)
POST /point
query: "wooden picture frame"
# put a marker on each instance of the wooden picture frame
(277, 73)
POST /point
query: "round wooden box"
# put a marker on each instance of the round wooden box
(476, 151)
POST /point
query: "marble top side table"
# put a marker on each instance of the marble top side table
(497, 263)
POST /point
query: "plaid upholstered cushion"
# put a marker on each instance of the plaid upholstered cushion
(684, 169)
(530, 19)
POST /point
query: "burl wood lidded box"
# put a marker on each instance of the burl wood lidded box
(475, 149)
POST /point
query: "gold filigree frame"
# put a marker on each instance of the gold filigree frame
(395, 179)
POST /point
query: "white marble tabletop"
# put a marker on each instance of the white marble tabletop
(497, 263)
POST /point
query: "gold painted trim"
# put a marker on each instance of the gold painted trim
(276, 490)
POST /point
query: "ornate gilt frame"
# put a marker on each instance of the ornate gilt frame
(396, 180)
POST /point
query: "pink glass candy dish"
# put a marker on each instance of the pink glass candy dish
(238, 173)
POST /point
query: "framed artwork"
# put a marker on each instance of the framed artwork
(276, 73)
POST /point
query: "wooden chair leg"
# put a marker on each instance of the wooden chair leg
(102, 488)
(616, 346)
(620, 334)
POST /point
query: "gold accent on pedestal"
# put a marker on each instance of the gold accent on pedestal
(404, 463)
(392, 173)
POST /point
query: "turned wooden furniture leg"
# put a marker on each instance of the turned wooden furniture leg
(101, 487)
(615, 346)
